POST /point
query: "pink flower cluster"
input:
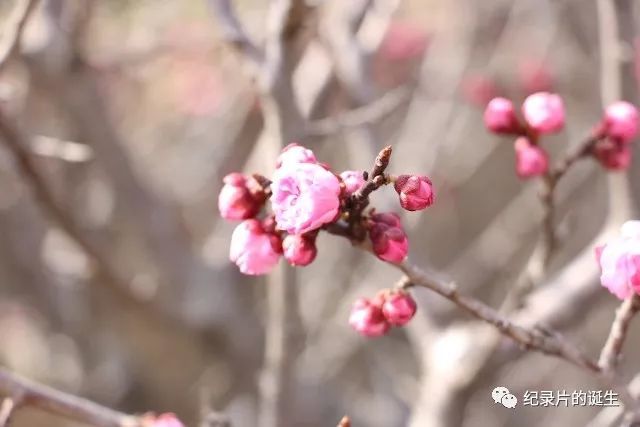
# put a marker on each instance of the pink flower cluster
(374, 317)
(543, 113)
(306, 196)
(619, 261)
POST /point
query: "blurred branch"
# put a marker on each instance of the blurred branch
(6, 410)
(233, 32)
(365, 115)
(610, 355)
(10, 41)
(17, 144)
(28, 393)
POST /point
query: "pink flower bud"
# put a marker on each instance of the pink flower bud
(500, 116)
(613, 154)
(415, 191)
(295, 153)
(236, 200)
(253, 249)
(531, 160)
(162, 420)
(299, 249)
(403, 41)
(478, 89)
(367, 319)
(620, 262)
(398, 308)
(544, 112)
(621, 120)
(535, 75)
(389, 241)
(352, 181)
(305, 196)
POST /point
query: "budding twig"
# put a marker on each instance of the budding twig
(612, 349)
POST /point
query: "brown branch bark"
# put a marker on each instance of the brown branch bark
(612, 350)
(28, 393)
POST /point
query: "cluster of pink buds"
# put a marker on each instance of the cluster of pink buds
(544, 113)
(619, 261)
(162, 420)
(307, 197)
(374, 317)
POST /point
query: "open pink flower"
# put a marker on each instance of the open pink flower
(620, 262)
(295, 153)
(500, 116)
(352, 181)
(305, 196)
(388, 238)
(531, 160)
(621, 121)
(254, 250)
(415, 191)
(367, 318)
(544, 112)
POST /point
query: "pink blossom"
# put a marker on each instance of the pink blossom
(478, 89)
(254, 250)
(352, 180)
(236, 201)
(305, 196)
(620, 262)
(621, 120)
(403, 41)
(415, 191)
(162, 420)
(299, 249)
(535, 75)
(531, 160)
(500, 116)
(399, 308)
(613, 154)
(295, 153)
(544, 112)
(367, 318)
(389, 240)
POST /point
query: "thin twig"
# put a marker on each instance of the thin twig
(13, 30)
(537, 338)
(30, 393)
(367, 114)
(612, 349)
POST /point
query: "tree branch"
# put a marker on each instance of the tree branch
(13, 30)
(28, 393)
(612, 350)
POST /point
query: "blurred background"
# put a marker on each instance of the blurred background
(114, 271)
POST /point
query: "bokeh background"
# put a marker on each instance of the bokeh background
(119, 287)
